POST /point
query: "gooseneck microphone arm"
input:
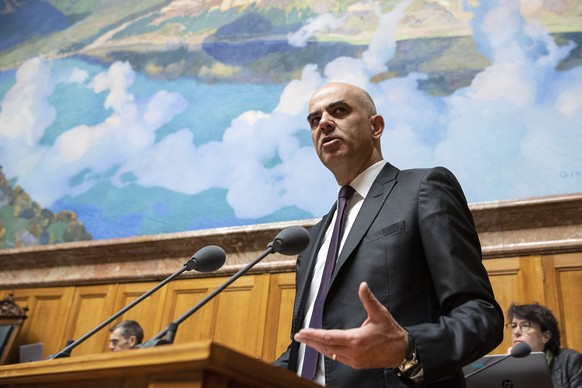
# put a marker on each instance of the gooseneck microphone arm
(290, 241)
(170, 331)
(518, 351)
(207, 259)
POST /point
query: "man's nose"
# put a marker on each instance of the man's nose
(326, 124)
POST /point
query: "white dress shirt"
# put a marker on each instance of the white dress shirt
(362, 184)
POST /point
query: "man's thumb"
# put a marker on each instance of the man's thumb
(372, 306)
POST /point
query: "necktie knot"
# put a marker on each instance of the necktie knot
(346, 192)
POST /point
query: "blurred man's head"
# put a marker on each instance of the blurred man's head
(125, 335)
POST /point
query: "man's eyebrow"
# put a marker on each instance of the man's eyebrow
(331, 105)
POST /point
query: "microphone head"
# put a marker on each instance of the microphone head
(290, 241)
(522, 349)
(207, 259)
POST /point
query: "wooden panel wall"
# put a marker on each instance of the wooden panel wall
(563, 287)
(253, 315)
(279, 315)
(47, 317)
(238, 317)
(554, 281)
(532, 251)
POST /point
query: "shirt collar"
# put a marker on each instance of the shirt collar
(363, 182)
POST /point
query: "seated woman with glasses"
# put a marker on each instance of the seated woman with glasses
(536, 325)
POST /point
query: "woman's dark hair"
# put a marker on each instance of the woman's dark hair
(536, 313)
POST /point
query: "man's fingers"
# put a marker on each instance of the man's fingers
(326, 342)
(330, 337)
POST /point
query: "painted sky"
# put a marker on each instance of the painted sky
(515, 132)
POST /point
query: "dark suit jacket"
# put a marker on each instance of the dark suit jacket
(566, 369)
(415, 243)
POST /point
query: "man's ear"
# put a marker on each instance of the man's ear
(377, 125)
(132, 341)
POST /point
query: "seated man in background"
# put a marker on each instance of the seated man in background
(537, 326)
(125, 335)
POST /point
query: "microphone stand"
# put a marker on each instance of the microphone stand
(170, 330)
(487, 366)
(66, 352)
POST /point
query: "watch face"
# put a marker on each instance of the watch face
(414, 373)
(408, 364)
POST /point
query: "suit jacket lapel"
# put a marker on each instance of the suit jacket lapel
(374, 201)
(370, 208)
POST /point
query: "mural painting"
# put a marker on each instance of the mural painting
(130, 118)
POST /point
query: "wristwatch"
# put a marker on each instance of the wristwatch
(410, 371)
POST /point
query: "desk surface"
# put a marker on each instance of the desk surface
(196, 364)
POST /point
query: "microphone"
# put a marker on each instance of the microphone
(207, 259)
(289, 241)
(520, 350)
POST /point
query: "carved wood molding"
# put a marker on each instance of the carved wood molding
(534, 226)
(9, 309)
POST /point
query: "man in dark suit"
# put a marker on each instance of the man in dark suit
(410, 301)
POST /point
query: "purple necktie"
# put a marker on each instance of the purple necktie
(311, 355)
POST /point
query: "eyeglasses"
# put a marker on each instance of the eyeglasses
(524, 326)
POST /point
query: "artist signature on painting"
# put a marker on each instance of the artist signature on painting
(565, 174)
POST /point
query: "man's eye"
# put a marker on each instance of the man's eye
(314, 122)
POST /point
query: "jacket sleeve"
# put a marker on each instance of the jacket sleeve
(471, 322)
(283, 360)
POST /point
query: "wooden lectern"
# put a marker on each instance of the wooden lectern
(200, 364)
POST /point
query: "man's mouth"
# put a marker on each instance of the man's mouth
(328, 139)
